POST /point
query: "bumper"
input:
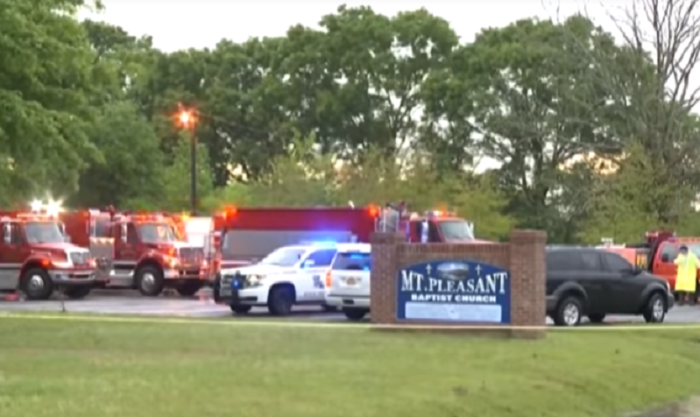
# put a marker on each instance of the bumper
(71, 277)
(670, 301)
(246, 296)
(350, 301)
(187, 273)
(551, 302)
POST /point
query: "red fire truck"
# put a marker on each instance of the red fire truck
(657, 253)
(139, 251)
(36, 258)
(244, 235)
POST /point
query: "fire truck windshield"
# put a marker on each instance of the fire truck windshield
(284, 257)
(456, 230)
(43, 232)
(156, 233)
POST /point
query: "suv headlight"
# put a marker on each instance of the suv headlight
(255, 280)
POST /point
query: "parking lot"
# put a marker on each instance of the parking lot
(131, 303)
(202, 306)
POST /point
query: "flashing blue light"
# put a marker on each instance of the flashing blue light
(320, 242)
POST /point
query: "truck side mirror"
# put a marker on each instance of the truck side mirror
(665, 257)
(308, 263)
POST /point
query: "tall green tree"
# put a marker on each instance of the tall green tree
(381, 64)
(529, 105)
(45, 88)
(177, 180)
(131, 167)
(247, 123)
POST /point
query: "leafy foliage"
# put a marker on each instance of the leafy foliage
(538, 124)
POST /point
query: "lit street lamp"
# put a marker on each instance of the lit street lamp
(187, 121)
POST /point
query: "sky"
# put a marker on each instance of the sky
(181, 24)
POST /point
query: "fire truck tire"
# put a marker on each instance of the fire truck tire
(36, 284)
(76, 293)
(150, 281)
(188, 288)
(280, 300)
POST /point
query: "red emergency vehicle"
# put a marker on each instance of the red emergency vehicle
(244, 235)
(657, 253)
(36, 258)
(139, 251)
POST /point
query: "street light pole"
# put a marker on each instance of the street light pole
(188, 121)
(193, 171)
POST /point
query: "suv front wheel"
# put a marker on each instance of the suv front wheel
(569, 312)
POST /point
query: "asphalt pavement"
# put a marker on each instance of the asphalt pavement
(202, 306)
(131, 303)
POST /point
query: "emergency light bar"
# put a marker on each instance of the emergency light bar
(227, 212)
(51, 208)
(439, 213)
(330, 243)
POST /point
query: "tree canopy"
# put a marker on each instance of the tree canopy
(540, 124)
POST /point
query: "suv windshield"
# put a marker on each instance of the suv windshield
(43, 232)
(352, 261)
(456, 230)
(284, 257)
(156, 232)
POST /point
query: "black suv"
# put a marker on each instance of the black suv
(591, 282)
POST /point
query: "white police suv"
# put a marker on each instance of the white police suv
(290, 275)
(347, 283)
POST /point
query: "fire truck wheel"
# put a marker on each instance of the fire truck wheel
(281, 300)
(149, 281)
(76, 293)
(189, 288)
(36, 284)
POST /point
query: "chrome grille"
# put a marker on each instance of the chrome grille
(227, 279)
(191, 255)
(79, 258)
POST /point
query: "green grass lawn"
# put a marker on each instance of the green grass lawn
(97, 369)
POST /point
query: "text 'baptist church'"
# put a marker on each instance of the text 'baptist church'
(475, 289)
